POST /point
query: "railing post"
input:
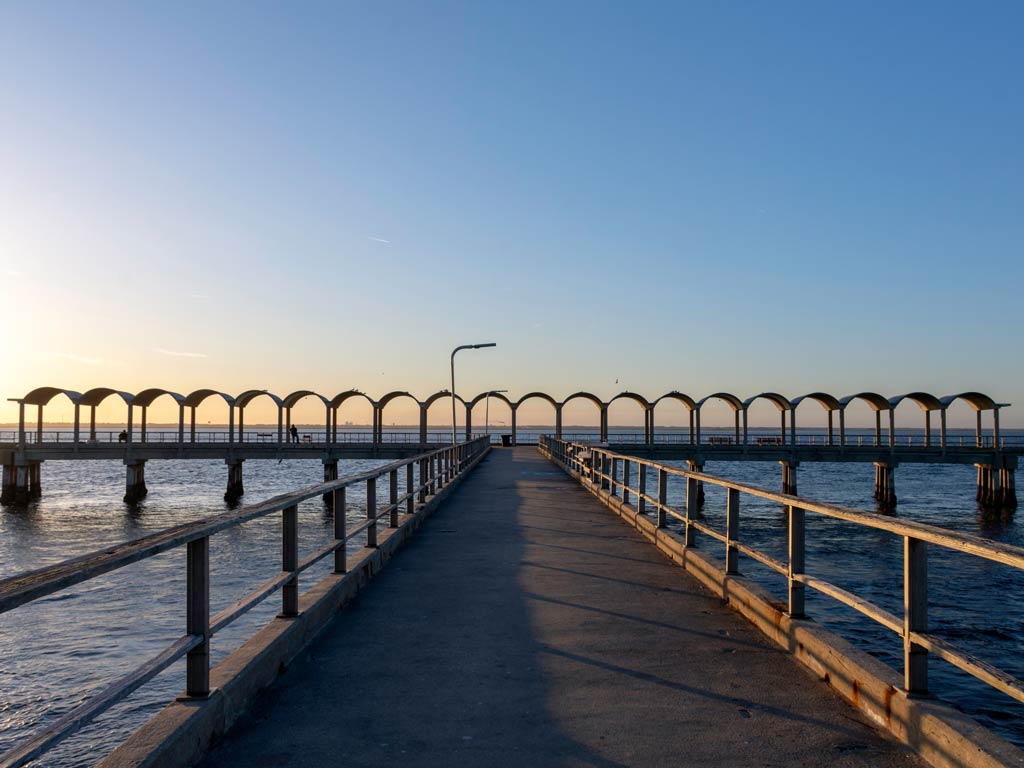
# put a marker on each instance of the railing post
(424, 475)
(197, 617)
(662, 495)
(410, 488)
(625, 481)
(393, 497)
(612, 489)
(290, 561)
(340, 564)
(915, 613)
(732, 531)
(691, 511)
(371, 512)
(796, 561)
(641, 488)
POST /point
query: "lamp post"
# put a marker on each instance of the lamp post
(487, 408)
(464, 346)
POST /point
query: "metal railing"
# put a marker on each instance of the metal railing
(611, 474)
(436, 469)
(269, 436)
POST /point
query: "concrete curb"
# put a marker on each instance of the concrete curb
(942, 735)
(182, 732)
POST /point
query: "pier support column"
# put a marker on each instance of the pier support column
(885, 486)
(236, 487)
(7, 494)
(694, 466)
(789, 476)
(35, 480)
(135, 481)
(330, 473)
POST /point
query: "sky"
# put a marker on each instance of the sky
(726, 196)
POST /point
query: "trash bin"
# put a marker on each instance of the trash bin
(506, 441)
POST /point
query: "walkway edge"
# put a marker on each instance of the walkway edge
(182, 732)
(942, 735)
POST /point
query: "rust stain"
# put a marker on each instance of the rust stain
(889, 691)
(855, 694)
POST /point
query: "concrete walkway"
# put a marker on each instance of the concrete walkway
(526, 625)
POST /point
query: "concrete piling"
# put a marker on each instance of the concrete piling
(789, 476)
(135, 481)
(330, 473)
(885, 485)
(694, 466)
(236, 485)
(8, 490)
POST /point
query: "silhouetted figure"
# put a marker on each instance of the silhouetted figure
(295, 433)
(123, 437)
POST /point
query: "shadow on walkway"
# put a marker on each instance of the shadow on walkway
(491, 641)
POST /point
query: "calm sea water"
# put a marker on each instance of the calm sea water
(55, 652)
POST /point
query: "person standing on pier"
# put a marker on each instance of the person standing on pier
(294, 433)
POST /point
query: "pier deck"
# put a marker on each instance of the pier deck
(526, 625)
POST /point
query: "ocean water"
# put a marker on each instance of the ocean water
(56, 651)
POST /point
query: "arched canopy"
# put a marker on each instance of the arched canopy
(734, 402)
(586, 396)
(772, 397)
(147, 396)
(290, 400)
(494, 396)
(537, 395)
(976, 400)
(337, 400)
(251, 394)
(394, 396)
(825, 400)
(98, 395)
(876, 401)
(627, 395)
(43, 395)
(923, 399)
(196, 398)
(674, 395)
(439, 395)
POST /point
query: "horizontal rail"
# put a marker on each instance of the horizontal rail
(97, 703)
(437, 469)
(590, 464)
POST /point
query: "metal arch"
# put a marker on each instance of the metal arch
(194, 399)
(43, 395)
(339, 399)
(99, 394)
(873, 399)
(537, 396)
(976, 400)
(825, 400)
(289, 401)
(780, 402)
(382, 403)
(439, 396)
(494, 396)
(925, 401)
(634, 396)
(686, 400)
(249, 395)
(586, 396)
(147, 397)
(734, 402)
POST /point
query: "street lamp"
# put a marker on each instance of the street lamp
(487, 408)
(464, 346)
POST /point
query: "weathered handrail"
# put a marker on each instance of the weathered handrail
(599, 469)
(436, 470)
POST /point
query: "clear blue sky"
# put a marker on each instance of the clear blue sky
(740, 196)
